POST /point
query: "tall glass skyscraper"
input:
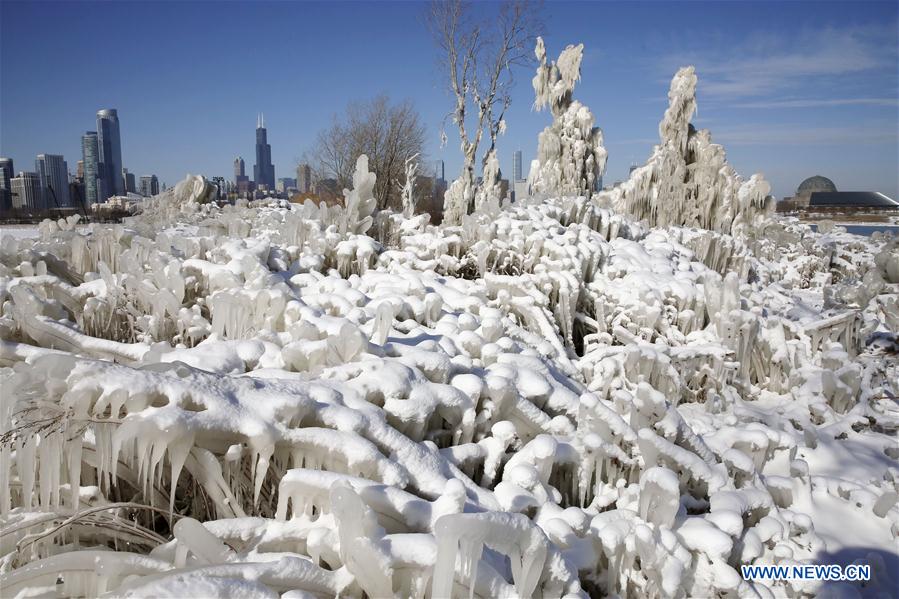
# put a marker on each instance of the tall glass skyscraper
(90, 155)
(110, 143)
(6, 174)
(54, 175)
(263, 170)
(516, 166)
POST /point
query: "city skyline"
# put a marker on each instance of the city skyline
(780, 102)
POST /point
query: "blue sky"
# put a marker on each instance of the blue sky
(791, 89)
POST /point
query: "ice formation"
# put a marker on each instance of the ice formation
(548, 400)
(570, 154)
(687, 180)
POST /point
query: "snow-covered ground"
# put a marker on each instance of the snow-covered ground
(19, 231)
(548, 399)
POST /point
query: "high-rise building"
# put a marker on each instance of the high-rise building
(516, 166)
(263, 170)
(79, 171)
(6, 173)
(130, 183)
(439, 171)
(94, 189)
(149, 185)
(519, 190)
(304, 178)
(54, 176)
(26, 192)
(76, 193)
(285, 183)
(110, 144)
(239, 169)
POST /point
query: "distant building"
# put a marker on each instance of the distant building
(93, 182)
(817, 198)
(79, 171)
(304, 178)
(505, 190)
(6, 174)
(76, 193)
(26, 192)
(239, 169)
(130, 183)
(54, 176)
(516, 166)
(245, 187)
(149, 185)
(110, 144)
(263, 170)
(221, 187)
(519, 190)
(285, 183)
(439, 171)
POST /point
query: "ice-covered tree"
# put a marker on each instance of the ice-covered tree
(687, 180)
(570, 152)
(479, 56)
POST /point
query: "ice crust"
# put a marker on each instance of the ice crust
(628, 395)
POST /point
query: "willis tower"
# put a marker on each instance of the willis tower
(263, 170)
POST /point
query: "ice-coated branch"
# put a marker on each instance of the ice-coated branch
(408, 189)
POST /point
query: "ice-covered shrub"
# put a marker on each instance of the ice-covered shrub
(570, 153)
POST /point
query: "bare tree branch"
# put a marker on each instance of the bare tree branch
(480, 57)
(387, 133)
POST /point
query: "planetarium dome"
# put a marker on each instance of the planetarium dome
(816, 183)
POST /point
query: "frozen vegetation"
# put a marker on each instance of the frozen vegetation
(628, 394)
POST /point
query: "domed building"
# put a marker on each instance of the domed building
(817, 198)
(814, 184)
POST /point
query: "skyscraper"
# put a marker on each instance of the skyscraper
(239, 169)
(54, 175)
(6, 173)
(304, 178)
(93, 183)
(285, 183)
(149, 185)
(110, 143)
(26, 191)
(130, 185)
(516, 166)
(263, 170)
(439, 172)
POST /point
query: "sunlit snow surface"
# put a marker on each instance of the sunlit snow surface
(548, 399)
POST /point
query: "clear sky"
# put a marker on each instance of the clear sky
(791, 89)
